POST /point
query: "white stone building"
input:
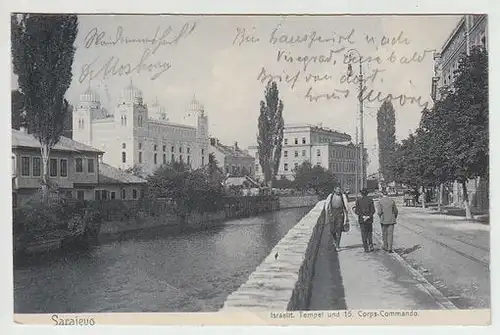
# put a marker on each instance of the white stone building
(319, 146)
(135, 134)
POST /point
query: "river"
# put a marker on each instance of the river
(152, 271)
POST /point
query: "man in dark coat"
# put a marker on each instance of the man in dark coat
(365, 209)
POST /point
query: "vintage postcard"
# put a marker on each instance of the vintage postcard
(250, 169)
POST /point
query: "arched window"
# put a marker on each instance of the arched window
(124, 146)
(139, 120)
(124, 157)
(125, 120)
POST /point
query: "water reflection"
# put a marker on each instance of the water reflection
(151, 271)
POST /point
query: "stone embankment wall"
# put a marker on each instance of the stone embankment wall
(282, 282)
(236, 207)
(298, 201)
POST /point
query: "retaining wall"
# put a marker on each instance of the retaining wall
(298, 201)
(282, 282)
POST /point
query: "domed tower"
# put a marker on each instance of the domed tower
(196, 108)
(130, 94)
(158, 111)
(131, 112)
(84, 112)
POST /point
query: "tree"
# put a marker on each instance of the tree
(386, 131)
(316, 177)
(270, 136)
(214, 171)
(42, 55)
(452, 141)
(468, 109)
(18, 117)
(136, 170)
(189, 190)
(68, 123)
(283, 183)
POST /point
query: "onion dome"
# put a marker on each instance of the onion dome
(90, 96)
(131, 94)
(158, 110)
(195, 105)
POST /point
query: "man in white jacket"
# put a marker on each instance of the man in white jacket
(336, 214)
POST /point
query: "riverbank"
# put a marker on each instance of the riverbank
(282, 282)
(152, 270)
(166, 221)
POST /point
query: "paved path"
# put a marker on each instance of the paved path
(353, 279)
(451, 253)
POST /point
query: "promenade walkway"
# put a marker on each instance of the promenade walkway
(353, 279)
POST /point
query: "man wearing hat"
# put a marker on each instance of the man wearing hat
(388, 213)
(365, 209)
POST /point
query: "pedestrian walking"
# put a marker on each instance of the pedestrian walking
(337, 215)
(388, 213)
(365, 209)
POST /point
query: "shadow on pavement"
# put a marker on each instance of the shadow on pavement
(354, 246)
(327, 291)
(406, 251)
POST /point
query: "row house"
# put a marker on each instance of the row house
(75, 171)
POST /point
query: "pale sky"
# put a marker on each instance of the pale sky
(224, 75)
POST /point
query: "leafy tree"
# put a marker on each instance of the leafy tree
(42, 55)
(468, 110)
(386, 131)
(270, 136)
(214, 171)
(189, 190)
(136, 170)
(316, 177)
(68, 123)
(18, 117)
(452, 140)
(283, 183)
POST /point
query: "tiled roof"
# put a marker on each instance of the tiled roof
(231, 151)
(24, 140)
(112, 175)
(238, 181)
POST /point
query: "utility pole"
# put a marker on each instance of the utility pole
(361, 128)
(362, 144)
(357, 163)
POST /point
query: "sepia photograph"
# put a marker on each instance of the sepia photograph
(311, 167)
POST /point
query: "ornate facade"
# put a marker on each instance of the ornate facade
(137, 135)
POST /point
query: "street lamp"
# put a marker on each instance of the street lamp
(360, 99)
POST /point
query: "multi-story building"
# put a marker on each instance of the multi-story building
(136, 135)
(233, 160)
(75, 171)
(72, 166)
(319, 146)
(471, 30)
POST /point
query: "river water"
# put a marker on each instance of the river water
(154, 271)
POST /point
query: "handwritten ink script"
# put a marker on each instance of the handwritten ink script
(311, 61)
(151, 61)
